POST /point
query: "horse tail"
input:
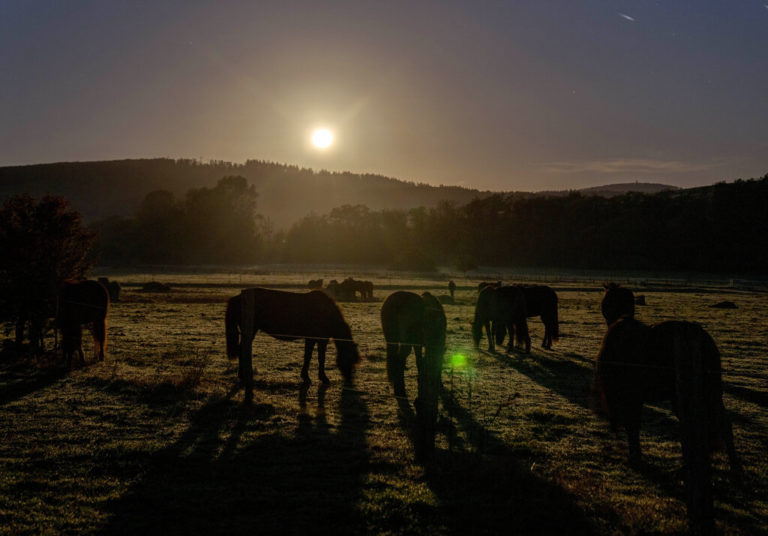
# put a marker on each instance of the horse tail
(694, 409)
(232, 325)
(477, 325)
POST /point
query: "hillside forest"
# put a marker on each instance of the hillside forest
(719, 228)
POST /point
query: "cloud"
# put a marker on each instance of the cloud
(625, 165)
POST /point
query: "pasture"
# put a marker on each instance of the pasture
(156, 439)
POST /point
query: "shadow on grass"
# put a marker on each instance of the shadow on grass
(20, 376)
(213, 480)
(490, 490)
(746, 394)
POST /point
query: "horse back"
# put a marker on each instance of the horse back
(540, 300)
(82, 302)
(293, 315)
(401, 318)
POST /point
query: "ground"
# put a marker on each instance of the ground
(157, 439)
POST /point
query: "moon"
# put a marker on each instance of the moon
(322, 138)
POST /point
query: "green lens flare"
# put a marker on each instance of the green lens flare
(458, 361)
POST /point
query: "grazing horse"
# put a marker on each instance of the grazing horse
(412, 321)
(287, 316)
(82, 302)
(679, 362)
(617, 301)
(541, 301)
(500, 309)
(484, 284)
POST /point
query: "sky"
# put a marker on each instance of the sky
(498, 95)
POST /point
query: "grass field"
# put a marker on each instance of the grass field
(156, 439)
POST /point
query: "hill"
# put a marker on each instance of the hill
(611, 190)
(286, 193)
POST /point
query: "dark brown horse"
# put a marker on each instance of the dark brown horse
(287, 316)
(541, 301)
(410, 321)
(80, 303)
(617, 302)
(501, 309)
(675, 361)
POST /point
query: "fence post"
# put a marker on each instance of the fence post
(247, 303)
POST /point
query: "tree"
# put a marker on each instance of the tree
(43, 244)
(221, 222)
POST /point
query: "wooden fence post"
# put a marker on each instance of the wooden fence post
(247, 303)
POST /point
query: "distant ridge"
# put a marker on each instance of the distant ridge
(611, 190)
(103, 189)
(286, 193)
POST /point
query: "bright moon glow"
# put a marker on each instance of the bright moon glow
(322, 138)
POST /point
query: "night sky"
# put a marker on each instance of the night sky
(496, 95)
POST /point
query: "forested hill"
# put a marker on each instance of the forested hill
(286, 193)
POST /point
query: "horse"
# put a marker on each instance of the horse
(676, 361)
(410, 321)
(315, 284)
(541, 301)
(617, 301)
(350, 286)
(79, 303)
(498, 309)
(484, 284)
(287, 316)
(366, 289)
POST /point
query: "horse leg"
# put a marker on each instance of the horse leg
(321, 347)
(309, 344)
(726, 433)
(547, 342)
(99, 338)
(396, 354)
(491, 335)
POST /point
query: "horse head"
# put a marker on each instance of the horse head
(347, 357)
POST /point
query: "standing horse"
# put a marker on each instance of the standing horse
(410, 321)
(679, 362)
(501, 309)
(79, 303)
(287, 316)
(617, 301)
(541, 301)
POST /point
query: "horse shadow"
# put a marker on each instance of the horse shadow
(484, 487)
(233, 471)
(20, 376)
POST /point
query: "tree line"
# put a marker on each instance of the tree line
(720, 228)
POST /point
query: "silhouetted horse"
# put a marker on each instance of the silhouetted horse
(541, 301)
(617, 302)
(675, 361)
(79, 303)
(492, 284)
(287, 316)
(350, 286)
(412, 321)
(500, 309)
